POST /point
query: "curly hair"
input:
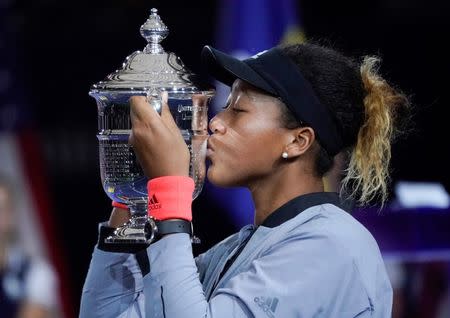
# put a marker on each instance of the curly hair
(364, 107)
(368, 168)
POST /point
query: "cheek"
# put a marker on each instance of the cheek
(261, 153)
(260, 143)
(226, 164)
(246, 154)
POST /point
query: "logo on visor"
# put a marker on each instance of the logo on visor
(258, 54)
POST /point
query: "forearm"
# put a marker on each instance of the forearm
(173, 278)
(173, 288)
(112, 285)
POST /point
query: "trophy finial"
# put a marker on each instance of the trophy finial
(154, 31)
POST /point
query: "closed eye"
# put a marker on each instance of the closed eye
(234, 109)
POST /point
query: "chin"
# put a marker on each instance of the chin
(212, 176)
(219, 179)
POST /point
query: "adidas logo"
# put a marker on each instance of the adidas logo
(154, 203)
(268, 305)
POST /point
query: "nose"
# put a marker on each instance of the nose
(216, 126)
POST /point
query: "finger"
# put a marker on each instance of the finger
(118, 217)
(199, 99)
(166, 115)
(200, 113)
(141, 112)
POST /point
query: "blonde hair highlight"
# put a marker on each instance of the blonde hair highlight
(367, 174)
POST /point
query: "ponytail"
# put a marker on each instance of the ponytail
(367, 174)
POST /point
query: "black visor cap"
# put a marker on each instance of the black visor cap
(226, 69)
(276, 74)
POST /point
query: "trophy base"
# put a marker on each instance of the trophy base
(132, 232)
(125, 240)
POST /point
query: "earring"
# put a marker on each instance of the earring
(284, 155)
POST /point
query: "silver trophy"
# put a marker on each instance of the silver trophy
(147, 73)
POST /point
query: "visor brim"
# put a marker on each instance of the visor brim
(226, 69)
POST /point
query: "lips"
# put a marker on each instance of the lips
(209, 148)
(209, 153)
(209, 144)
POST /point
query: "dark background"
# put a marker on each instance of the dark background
(65, 46)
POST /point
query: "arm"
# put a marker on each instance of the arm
(298, 278)
(112, 286)
(301, 278)
(114, 281)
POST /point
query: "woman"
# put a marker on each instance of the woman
(290, 111)
(28, 284)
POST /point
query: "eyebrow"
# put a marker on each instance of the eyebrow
(250, 94)
(245, 89)
(233, 87)
(249, 91)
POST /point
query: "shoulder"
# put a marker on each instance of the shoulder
(37, 278)
(338, 234)
(337, 226)
(41, 271)
(300, 259)
(41, 283)
(333, 236)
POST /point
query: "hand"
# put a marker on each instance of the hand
(118, 217)
(156, 140)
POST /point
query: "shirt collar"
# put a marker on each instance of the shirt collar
(297, 205)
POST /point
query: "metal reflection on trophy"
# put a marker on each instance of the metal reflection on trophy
(148, 73)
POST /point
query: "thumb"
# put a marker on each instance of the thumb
(141, 112)
(166, 115)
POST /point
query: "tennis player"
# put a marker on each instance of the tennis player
(291, 110)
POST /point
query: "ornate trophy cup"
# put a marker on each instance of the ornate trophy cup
(147, 73)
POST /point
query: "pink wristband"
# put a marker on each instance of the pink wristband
(119, 205)
(170, 197)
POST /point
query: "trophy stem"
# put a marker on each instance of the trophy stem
(138, 208)
(134, 230)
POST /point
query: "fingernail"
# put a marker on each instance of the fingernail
(165, 96)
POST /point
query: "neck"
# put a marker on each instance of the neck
(270, 194)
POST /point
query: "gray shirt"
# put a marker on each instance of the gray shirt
(319, 263)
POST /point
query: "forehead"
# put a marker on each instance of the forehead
(258, 102)
(240, 86)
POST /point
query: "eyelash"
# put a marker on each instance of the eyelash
(236, 110)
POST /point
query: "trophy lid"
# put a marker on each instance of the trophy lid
(152, 68)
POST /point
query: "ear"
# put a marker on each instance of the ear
(302, 139)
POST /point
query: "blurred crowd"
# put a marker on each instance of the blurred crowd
(28, 285)
(41, 63)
